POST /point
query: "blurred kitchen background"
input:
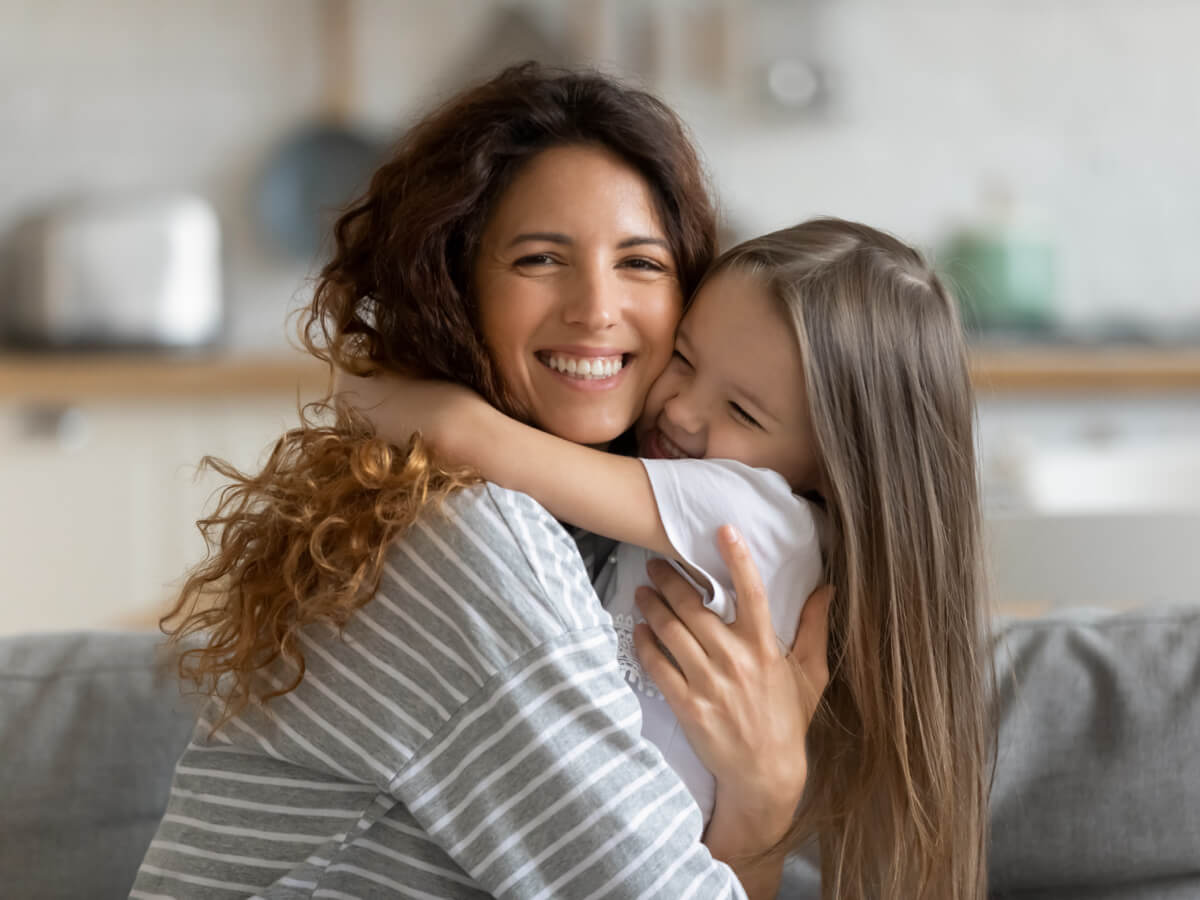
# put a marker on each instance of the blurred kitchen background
(166, 171)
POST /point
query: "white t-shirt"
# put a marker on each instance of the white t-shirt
(695, 497)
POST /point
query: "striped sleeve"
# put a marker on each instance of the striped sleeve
(541, 785)
(467, 734)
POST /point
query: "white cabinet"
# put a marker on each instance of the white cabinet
(98, 502)
(1092, 500)
(1091, 453)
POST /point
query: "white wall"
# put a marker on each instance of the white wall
(1089, 110)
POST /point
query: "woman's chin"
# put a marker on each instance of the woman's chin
(592, 430)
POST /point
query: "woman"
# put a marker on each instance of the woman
(414, 687)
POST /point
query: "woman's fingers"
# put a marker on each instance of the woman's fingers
(672, 633)
(686, 603)
(753, 612)
(668, 679)
(810, 649)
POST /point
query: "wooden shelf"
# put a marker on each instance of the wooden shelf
(62, 378)
(75, 378)
(1050, 369)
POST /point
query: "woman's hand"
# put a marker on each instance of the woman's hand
(397, 406)
(744, 705)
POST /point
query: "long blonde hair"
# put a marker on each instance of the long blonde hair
(900, 748)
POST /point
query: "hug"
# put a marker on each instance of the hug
(477, 628)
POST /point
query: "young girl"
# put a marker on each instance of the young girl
(818, 396)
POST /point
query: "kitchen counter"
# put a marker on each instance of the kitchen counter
(71, 378)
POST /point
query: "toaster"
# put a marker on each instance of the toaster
(129, 273)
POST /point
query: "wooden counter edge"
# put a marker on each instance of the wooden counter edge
(1049, 369)
(70, 379)
(31, 378)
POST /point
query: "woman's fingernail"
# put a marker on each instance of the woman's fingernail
(731, 534)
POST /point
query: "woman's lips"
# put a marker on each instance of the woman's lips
(552, 361)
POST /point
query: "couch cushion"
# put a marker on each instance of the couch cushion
(1097, 790)
(90, 727)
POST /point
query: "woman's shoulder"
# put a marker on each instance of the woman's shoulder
(487, 557)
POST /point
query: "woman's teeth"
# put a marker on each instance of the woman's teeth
(589, 368)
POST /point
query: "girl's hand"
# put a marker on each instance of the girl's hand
(397, 406)
(744, 705)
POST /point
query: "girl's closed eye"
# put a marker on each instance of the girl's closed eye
(742, 416)
(680, 358)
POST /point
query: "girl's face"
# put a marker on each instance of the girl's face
(734, 388)
(577, 291)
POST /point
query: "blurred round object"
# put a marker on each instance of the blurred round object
(308, 181)
(792, 83)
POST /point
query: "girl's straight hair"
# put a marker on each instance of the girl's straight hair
(901, 747)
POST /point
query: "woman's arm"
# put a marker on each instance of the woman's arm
(744, 706)
(601, 492)
(539, 782)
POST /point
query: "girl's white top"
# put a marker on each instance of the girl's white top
(695, 498)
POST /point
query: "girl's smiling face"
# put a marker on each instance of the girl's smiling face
(734, 388)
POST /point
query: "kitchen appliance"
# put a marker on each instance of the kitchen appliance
(141, 272)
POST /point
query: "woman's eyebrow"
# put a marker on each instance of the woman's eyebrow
(553, 237)
(639, 240)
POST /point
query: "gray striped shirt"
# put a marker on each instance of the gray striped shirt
(469, 735)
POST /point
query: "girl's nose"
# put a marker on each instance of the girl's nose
(684, 412)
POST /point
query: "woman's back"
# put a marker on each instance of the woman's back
(468, 734)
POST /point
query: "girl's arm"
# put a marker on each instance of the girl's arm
(601, 492)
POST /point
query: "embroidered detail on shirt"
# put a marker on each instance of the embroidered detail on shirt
(627, 659)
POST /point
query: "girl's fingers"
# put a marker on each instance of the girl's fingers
(753, 612)
(668, 679)
(673, 634)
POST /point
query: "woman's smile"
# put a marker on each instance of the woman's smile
(578, 296)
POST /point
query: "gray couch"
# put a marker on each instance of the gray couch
(1097, 790)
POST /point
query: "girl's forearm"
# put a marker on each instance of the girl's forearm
(600, 492)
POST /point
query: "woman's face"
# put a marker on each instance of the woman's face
(578, 294)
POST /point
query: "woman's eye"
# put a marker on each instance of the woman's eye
(645, 264)
(744, 416)
(535, 259)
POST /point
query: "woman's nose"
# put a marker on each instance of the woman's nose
(594, 302)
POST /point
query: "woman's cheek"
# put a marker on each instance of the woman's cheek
(663, 322)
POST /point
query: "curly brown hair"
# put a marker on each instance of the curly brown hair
(303, 540)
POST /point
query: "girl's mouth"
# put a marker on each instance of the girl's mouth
(657, 445)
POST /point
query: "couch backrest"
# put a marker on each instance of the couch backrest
(90, 727)
(1097, 791)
